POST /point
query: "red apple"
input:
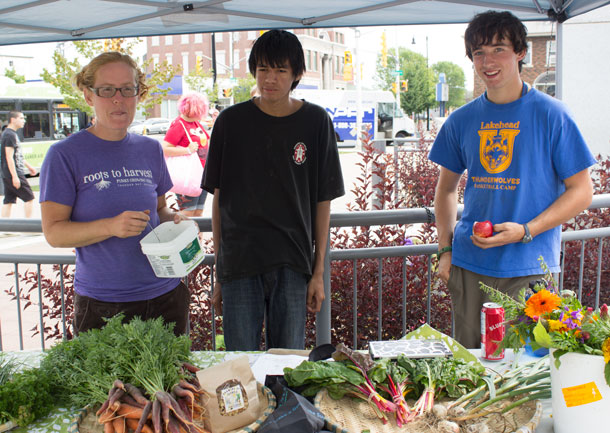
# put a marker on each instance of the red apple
(483, 229)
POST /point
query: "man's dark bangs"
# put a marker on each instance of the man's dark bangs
(275, 50)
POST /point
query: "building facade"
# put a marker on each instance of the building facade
(324, 51)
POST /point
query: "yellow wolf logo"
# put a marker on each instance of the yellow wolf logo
(496, 148)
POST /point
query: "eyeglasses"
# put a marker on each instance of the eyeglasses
(109, 92)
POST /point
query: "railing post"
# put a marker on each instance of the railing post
(323, 316)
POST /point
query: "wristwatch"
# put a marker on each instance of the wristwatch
(527, 237)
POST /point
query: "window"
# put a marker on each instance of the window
(169, 39)
(251, 35)
(34, 106)
(185, 63)
(219, 37)
(236, 59)
(551, 53)
(527, 60)
(37, 125)
(154, 41)
(198, 38)
(221, 60)
(307, 60)
(247, 56)
(155, 58)
(315, 60)
(184, 39)
(170, 59)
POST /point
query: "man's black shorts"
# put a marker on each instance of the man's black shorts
(24, 192)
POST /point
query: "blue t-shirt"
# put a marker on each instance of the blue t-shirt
(517, 156)
(101, 179)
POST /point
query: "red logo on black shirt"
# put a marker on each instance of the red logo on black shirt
(300, 153)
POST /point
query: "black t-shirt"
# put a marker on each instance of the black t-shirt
(11, 139)
(271, 173)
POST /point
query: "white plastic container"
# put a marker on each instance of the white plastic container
(173, 250)
(580, 395)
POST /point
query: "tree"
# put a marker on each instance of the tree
(455, 78)
(201, 82)
(241, 92)
(421, 79)
(10, 73)
(66, 69)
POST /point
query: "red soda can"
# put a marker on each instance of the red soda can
(492, 331)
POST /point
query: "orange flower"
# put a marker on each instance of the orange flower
(541, 303)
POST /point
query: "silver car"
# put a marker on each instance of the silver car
(154, 125)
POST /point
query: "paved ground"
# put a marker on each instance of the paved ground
(13, 243)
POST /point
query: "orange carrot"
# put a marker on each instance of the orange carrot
(106, 416)
(133, 425)
(119, 425)
(130, 411)
(108, 428)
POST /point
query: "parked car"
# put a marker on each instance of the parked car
(154, 125)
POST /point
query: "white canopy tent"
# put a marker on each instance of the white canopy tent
(24, 22)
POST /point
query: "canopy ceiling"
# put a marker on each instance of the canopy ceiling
(23, 21)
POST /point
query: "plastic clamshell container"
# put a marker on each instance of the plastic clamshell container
(173, 250)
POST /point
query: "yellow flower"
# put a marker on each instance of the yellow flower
(541, 303)
(557, 326)
(606, 350)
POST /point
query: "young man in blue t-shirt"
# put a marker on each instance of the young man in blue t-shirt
(527, 167)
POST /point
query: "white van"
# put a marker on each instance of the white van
(379, 112)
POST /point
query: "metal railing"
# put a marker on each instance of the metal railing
(338, 220)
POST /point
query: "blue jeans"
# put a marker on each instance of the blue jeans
(277, 298)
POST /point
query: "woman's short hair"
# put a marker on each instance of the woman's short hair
(485, 26)
(274, 48)
(193, 106)
(86, 77)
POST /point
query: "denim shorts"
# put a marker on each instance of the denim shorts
(173, 306)
(276, 299)
(186, 202)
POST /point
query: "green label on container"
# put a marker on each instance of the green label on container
(191, 250)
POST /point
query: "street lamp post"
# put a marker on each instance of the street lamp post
(427, 67)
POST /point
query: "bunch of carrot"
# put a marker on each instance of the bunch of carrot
(179, 411)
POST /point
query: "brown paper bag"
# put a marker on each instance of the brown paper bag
(230, 395)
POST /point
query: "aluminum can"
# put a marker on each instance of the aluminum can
(492, 331)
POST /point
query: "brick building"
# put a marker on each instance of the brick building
(538, 66)
(324, 59)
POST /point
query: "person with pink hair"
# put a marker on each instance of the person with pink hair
(185, 136)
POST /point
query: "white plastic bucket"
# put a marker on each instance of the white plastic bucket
(173, 250)
(580, 395)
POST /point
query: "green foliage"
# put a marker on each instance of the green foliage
(146, 354)
(241, 92)
(65, 71)
(337, 377)
(13, 75)
(27, 396)
(421, 94)
(455, 78)
(202, 82)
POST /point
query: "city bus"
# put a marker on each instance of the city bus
(48, 119)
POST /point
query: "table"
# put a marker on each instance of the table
(61, 419)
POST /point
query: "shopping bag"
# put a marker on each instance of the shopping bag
(186, 172)
(294, 413)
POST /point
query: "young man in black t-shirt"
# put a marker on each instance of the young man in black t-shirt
(273, 168)
(13, 168)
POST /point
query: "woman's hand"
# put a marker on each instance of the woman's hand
(193, 146)
(217, 298)
(129, 223)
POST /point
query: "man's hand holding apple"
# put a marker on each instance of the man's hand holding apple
(501, 234)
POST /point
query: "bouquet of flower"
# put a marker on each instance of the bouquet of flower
(544, 317)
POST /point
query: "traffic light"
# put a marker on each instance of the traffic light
(404, 85)
(227, 92)
(199, 64)
(384, 51)
(348, 58)
(394, 87)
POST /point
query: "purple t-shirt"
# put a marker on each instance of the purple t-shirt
(101, 179)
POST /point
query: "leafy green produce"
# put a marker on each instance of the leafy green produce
(25, 397)
(146, 354)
